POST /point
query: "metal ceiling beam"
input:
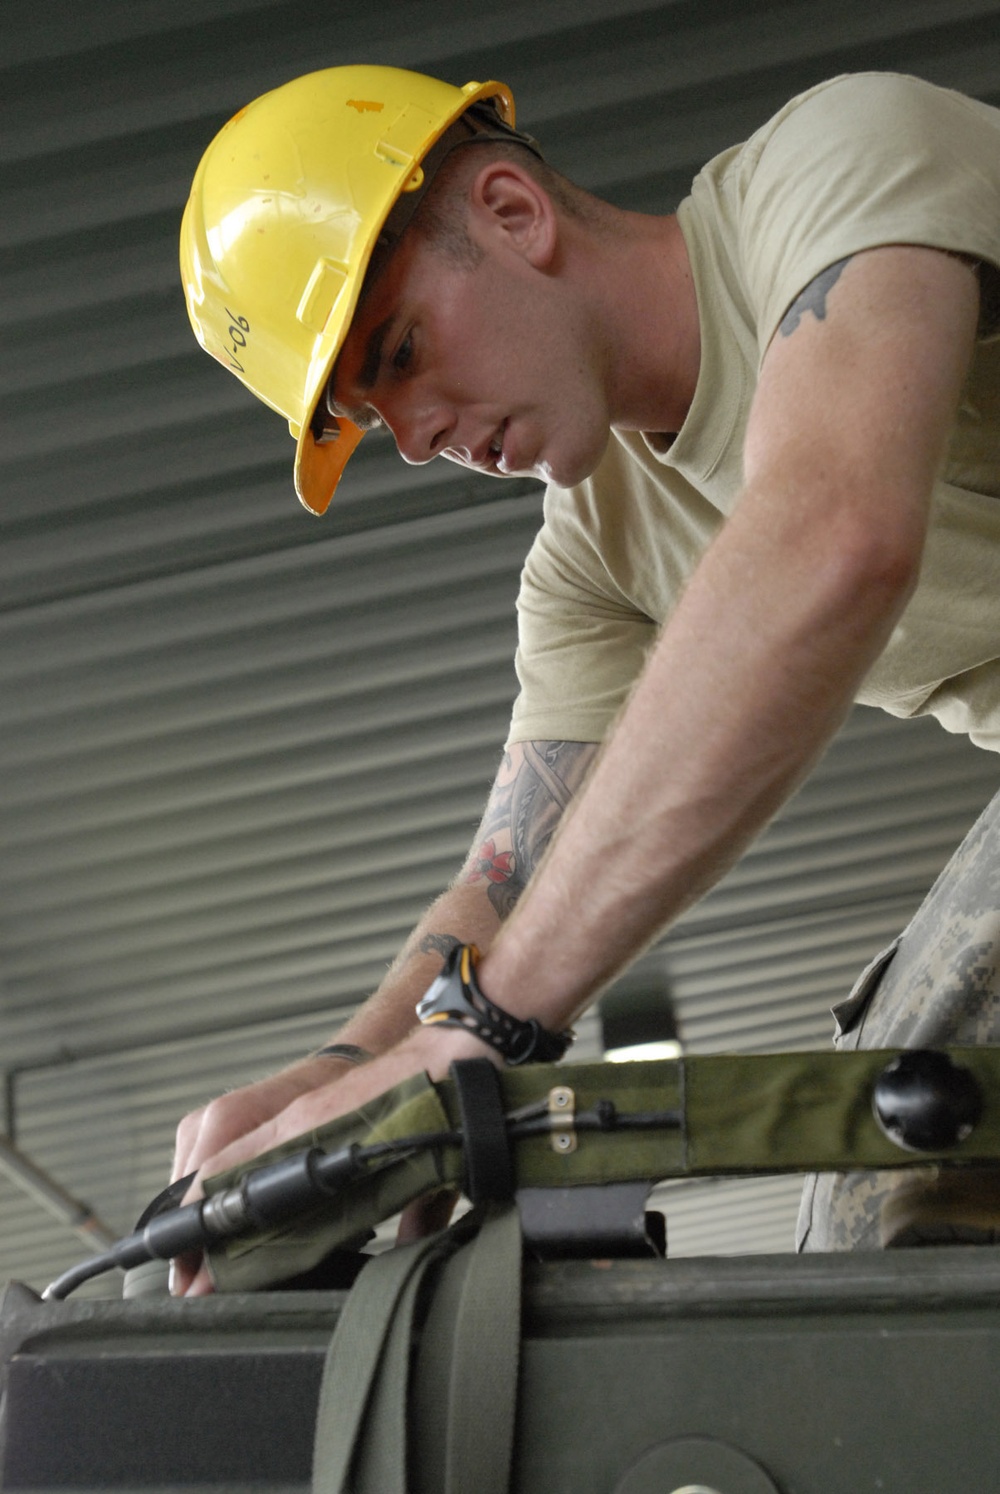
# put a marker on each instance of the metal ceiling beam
(70, 1211)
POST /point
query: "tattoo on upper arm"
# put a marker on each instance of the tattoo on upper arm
(536, 782)
(813, 298)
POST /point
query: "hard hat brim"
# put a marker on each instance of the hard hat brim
(319, 466)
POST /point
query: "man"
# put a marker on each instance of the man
(770, 425)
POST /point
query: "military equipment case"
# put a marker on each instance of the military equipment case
(808, 1375)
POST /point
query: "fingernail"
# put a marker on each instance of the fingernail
(172, 1280)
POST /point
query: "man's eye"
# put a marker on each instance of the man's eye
(403, 356)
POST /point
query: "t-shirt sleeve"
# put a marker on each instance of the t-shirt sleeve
(603, 575)
(581, 645)
(862, 161)
(582, 634)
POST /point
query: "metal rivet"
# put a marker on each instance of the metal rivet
(562, 1103)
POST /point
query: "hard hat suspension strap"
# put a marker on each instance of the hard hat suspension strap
(480, 122)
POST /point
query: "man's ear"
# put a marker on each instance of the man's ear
(510, 208)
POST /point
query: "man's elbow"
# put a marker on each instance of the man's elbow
(874, 567)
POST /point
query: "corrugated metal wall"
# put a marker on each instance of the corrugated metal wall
(241, 749)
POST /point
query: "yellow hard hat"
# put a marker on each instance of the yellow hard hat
(286, 207)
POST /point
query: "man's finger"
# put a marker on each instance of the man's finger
(425, 1216)
(183, 1270)
(201, 1284)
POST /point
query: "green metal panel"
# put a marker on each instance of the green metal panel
(812, 1375)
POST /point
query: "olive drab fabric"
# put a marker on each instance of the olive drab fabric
(470, 1350)
(785, 1112)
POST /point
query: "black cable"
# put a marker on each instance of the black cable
(77, 1275)
(279, 1190)
(264, 1196)
(598, 1120)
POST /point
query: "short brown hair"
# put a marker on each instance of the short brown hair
(442, 216)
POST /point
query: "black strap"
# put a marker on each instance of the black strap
(488, 1172)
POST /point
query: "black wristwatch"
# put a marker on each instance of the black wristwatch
(455, 1000)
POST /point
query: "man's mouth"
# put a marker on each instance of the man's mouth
(486, 457)
(495, 449)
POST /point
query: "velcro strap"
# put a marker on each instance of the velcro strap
(488, 1173)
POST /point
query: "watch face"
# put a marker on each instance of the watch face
(454, 999)
(430, 1006)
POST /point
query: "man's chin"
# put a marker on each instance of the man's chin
(573, 468)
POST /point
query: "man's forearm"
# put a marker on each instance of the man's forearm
(734, 707)
(535, 783)
(462, 915)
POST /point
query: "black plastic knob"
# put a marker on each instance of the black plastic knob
(925, 1103)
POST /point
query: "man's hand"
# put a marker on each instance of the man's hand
(206, 1131)
(429, 1050)
(534, 784)
(227, 1120)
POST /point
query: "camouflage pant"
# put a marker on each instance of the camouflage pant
(937, 983)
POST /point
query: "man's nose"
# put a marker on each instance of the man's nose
(421, 429)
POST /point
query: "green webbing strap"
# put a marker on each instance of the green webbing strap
(784, 1112)
(380, 1460)
(372, 1339)
(482, 1358)
(361, 1424)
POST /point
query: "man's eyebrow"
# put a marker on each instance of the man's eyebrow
(365, 380)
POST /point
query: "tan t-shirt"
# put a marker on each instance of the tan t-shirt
(857, 162)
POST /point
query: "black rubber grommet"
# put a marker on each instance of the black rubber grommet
(924, 1102)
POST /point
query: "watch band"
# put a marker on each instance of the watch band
(455, 1000)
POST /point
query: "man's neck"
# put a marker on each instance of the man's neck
(655, 335)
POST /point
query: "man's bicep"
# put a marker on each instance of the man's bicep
(533, 787)
(860, 383)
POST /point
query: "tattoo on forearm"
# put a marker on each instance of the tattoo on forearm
(441, 944)
(545, 770)
(534, 786)
(535, 783)
(494, 865)
(813, 298)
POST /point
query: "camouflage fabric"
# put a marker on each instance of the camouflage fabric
(937, 983)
